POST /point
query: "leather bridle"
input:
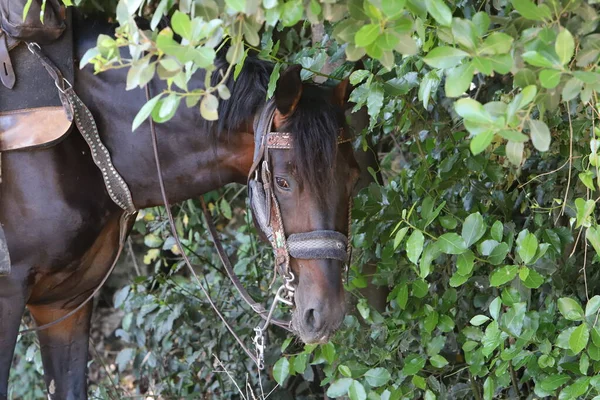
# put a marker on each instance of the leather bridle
(318, 244)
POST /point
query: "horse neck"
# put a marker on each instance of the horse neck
(192, 161)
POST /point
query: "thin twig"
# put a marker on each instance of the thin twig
(513, 378)
(133, 258)
(230, 377)
(564, 205)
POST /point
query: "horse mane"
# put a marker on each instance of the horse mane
(314, 125)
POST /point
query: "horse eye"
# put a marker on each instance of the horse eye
(282, 183)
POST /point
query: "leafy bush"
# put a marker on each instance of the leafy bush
(484, 232)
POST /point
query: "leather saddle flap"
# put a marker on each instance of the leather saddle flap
(29, 112)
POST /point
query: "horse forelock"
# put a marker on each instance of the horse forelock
(314, 126)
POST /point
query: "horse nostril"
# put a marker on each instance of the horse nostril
(312, 319)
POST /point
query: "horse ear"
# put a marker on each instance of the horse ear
(341, 93)
(288, 90)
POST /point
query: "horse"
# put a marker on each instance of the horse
(62, 228)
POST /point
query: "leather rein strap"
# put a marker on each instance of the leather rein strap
(254, 358)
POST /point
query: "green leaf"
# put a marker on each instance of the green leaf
(367, 35)
(273, 80)
(534, 280)
(388, 40)
(473, 229)
(459, 79)
(181, 24)
(546, 361)
(281, 370)
(501, 63)
(575, 390)
(584, 208)
(413, 364)
(444, 57)
(527, 247)
(496, 43)
(579, 338)
(592, 306)
(438, 361)
(482, 22)
(479, 320)
(292, 12)
(420, 288)
(571, 89)
(564, 46)
(451, 243)
(587, 178)
(402, 296)
(530, 11)
(339, 388)
(428, 85)
(209, 107)
(345, 370)
(237, 5)
(375, 101)
(145, 112)
(570, 309)
(497, 231)
(414, 246)
(377, 376)
(481, 142)
(356, 391)
(431, 320)
(489, 387)
(537, 59)
(498, 254)
(553, 382)
(596, 336)
(399, 236)
(464, 32)
(483, 65)
(550, 78)
(465, 262)
(495, 306)
(503, 275)
(439, 11)
(514, 152)
(540, 134)
(392, 8)
(472, 110)
(593, 236)
(358, 76)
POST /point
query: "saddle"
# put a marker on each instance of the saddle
(33, 113)
(32, 110)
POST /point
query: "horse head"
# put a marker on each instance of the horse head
(301, 186)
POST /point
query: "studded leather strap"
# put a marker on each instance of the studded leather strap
(116, 186)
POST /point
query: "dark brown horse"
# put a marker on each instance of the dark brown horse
(63, 229)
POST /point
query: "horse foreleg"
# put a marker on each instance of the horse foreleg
(64, 350)
(12, 304)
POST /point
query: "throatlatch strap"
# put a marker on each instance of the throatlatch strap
(116, 186)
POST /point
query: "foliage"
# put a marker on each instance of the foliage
(485, 114)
